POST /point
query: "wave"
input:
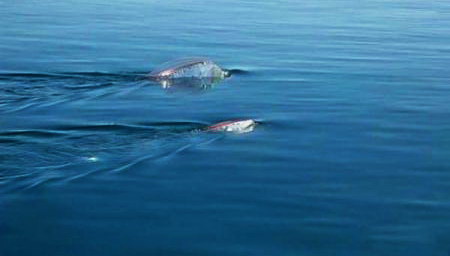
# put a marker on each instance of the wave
(29, 158)
(6, 76)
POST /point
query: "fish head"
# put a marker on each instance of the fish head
(226, 73)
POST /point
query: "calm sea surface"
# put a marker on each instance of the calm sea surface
(351, 156)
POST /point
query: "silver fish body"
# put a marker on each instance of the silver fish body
(193, 67)
(234, 126)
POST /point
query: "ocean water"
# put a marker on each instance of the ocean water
(351, 156)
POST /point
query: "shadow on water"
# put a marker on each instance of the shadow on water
(29, 158)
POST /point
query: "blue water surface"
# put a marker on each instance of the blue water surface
(351, 156)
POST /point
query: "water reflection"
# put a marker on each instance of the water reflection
(191, 84)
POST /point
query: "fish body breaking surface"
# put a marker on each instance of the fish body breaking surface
(192, 67)
(234, 126)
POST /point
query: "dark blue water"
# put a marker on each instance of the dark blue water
(351, 156)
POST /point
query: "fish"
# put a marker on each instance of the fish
(233, 126)
(191, 67)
